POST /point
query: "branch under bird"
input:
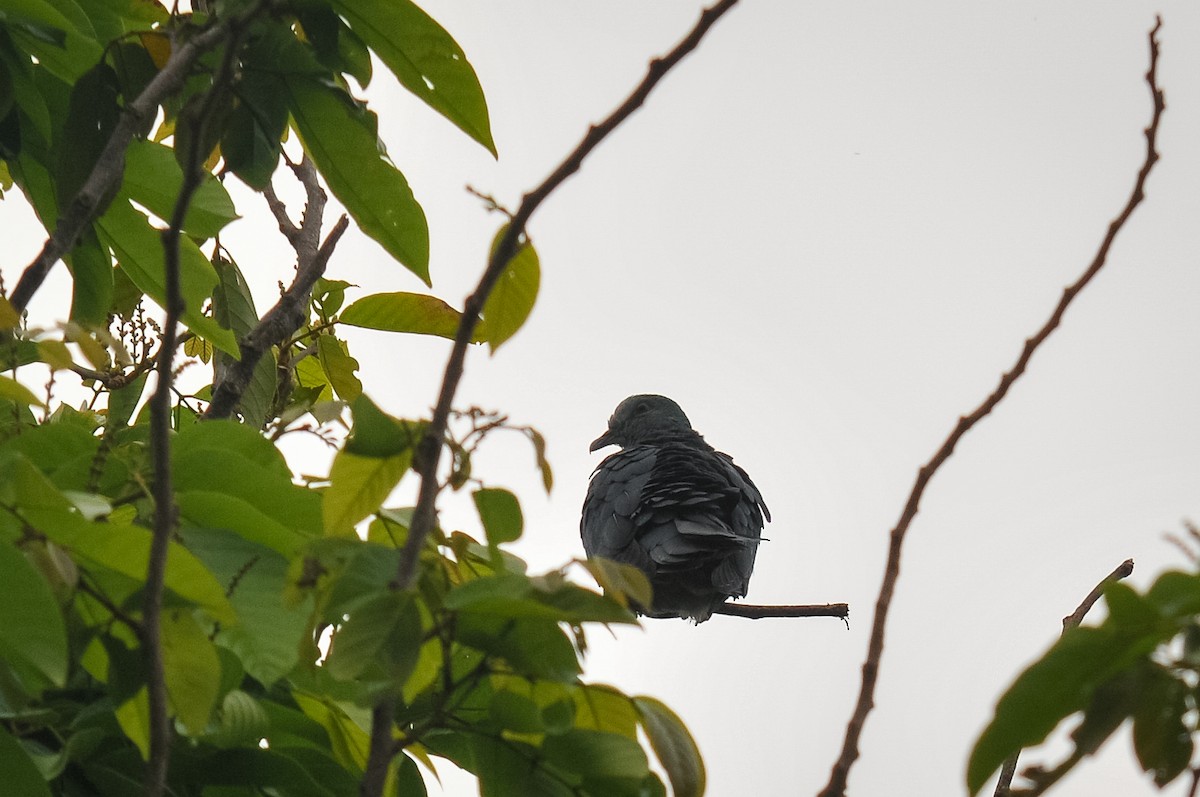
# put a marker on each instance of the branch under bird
(671, 505)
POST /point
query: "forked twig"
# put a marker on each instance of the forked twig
(836, 787)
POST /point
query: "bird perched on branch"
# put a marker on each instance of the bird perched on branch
(674, 507)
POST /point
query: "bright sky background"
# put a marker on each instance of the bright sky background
(826, 235)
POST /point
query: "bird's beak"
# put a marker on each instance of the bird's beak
(603, 440)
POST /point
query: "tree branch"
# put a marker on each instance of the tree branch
(291, 311)
(836, 787)
(110, 166)
(1072, 620)
(429, 450)
(753, 612)
(165, 513)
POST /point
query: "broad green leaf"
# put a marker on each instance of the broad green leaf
(594, 753)
(500, 513)
(603, 708)
(126, 550)
(92, 284)
(1176, 594)
(191, 668)
(377, 434)
(403, 312)
(213, 470)
(68, 57)
(21, 775)
(676, 749)
(269, 632)
(1050, 690)
(251, 141)
(153, 180)
(31, 625)
(14, 391)
(511, 300)
(1161, 740)
(351, 744)
(219, 510)
(139, 250)
(424, 58)
(91, 117)
(381, 640)
(233, 437)
(261, 772)
(622, 582)
(534, 647)
(359, 486)
(134, 718)
(339, 367)
(342, 141)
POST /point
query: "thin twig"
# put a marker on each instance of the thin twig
(165, 513)
(110, 166)
(839, 610)
(1072, 620)
(430, 448)
(429, 451)
(836, 787)
(291, 311)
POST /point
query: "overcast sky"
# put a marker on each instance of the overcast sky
(826, 235)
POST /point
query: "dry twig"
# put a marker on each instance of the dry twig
(430, 448)
(753, 612)
(836, 787)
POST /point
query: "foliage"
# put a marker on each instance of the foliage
(1141, 664)
(283, 624)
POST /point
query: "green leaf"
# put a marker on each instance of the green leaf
(92, 287)
(31, 625)
(511, 300)
(153, 180)
(269, 632)
(218, 510)
(594, 753)
(534, 647)
(236, 438)
(1176, 594)
(138, 247)
(424, 58)
(377, 434)
(1051, 689)
(36, 25)
(91, 117)
(403, 312)
(621, 582)
(126, 550)
(342, 141)
(676, 749)
(14, 391)
(21, 775)
(1161, 740)
(500, 513)
(191, 668)
(339, 367)
(381, 640)
(359, 486)
(251, 142)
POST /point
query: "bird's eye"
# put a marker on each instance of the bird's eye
(641, 407)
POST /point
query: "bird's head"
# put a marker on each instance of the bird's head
(643, 418)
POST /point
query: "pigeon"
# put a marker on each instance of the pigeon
(671, 505)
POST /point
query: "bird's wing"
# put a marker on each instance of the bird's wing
(608, 527)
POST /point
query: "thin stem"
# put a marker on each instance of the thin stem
(753, 612)
(836, 787)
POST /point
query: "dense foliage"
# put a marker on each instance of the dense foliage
(284, 624)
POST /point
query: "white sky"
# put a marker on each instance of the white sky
(826, 235)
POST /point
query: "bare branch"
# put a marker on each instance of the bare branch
(836, 787)
(291, 311)
(1072, 620)
(110, 166)
(753, 612)
(430, 448)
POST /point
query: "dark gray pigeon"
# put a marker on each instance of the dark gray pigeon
(675, 507)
